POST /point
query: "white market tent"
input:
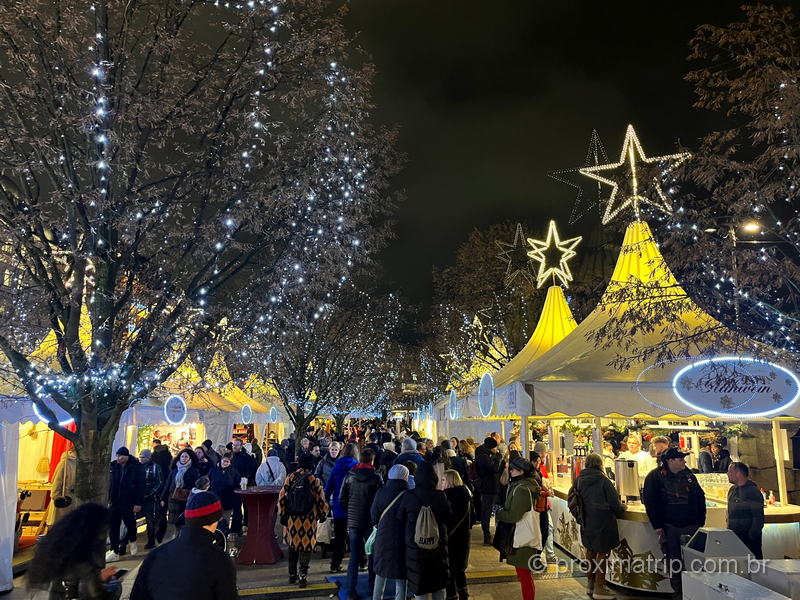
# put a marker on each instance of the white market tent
(575, 376)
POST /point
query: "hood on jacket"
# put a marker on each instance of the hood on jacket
(363, 472)
(274, 462)
(344, 463)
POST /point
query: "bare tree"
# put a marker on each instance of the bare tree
(329, 356)
(168, 167)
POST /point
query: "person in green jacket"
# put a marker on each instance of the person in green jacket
(523, 490)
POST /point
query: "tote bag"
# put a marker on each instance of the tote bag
(528, 532)
(324, 531)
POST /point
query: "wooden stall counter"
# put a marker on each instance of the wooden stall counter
(641, 546)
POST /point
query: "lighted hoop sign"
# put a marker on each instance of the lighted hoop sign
(175, 410)
(246, 414)
(63, 423)
(273, 415)
(736, 386)
(452, 405)
(486, 395)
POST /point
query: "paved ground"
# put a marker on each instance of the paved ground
(488, 579)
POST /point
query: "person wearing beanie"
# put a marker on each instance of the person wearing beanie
(125, 499)
(408, 451)
(523, 491)
(388, 550)
(489, 465)
(388, 456)
(191, 565)
(301, 504)
(427, 570)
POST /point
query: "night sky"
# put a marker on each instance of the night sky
(490, 96)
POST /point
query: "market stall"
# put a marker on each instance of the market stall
(573, 383)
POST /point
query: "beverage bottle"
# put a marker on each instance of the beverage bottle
(764, 495)
(771, 499)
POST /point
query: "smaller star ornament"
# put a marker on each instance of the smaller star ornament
(632, 161)
(515, 255)
(553, 255)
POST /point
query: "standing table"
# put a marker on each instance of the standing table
(260, 547)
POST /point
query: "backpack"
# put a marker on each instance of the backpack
(575, 503)
(426, 530)
(300, 498)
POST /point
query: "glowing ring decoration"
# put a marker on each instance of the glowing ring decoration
(38, 414)
(273, 415)
(452, 405)
(175, 403)
(247, 414)
(738, 359)
(486, 391)
(678, 411)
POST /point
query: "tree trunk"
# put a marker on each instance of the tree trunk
(93, 449)
(93, 452)
(339, 421)
(301, 423)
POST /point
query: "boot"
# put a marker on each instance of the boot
(487, 539)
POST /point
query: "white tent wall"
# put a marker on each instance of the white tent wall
(9, 448)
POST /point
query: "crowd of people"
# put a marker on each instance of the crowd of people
(402, 506)
(368, 491)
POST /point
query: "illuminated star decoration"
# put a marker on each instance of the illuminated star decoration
(585, 199)
(515, 255)
(632, 158)
(552, 255)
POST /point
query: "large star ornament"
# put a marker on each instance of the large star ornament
(632, 160)
(553, 254)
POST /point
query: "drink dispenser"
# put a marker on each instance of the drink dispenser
(626, 478)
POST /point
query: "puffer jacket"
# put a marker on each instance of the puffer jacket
(333, 487)
(358, 493)
(324, 468)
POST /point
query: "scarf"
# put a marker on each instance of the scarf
(181, 472)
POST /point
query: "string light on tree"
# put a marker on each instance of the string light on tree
(553, 255)
(642, 190)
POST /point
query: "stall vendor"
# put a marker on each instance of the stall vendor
(645, 462)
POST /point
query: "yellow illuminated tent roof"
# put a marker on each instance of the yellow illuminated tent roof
(639, 263)
(555, 323)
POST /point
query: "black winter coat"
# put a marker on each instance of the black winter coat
(387, 459)
(190, 566)
(673, 498)
(358, 491)
(162, 457)
(245, 465)
(601, 508)
(389, 551)
(223, 484)
(126, 486)
(489, 465)
(458, 527)
(426, 570)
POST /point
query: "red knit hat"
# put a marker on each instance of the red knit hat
(203, 508)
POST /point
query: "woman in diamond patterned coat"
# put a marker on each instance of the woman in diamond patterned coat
(300, 531)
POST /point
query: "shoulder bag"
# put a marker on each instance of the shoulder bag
(371, 539)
